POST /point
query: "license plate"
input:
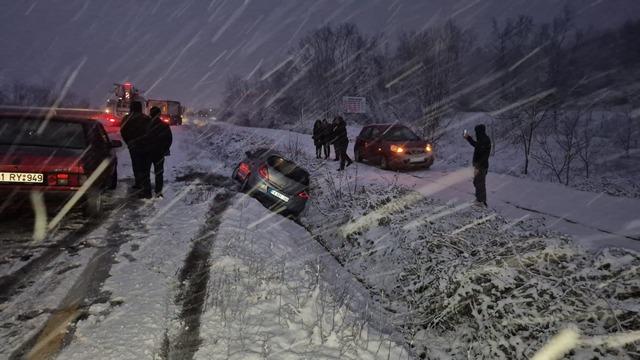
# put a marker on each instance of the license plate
(279, 195)
(417, 159)
(14, 177)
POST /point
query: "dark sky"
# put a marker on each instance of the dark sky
(184, 50)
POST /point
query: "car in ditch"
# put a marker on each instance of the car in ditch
(393, 146)
(57, 156)
(277, 182)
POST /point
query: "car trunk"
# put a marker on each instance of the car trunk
(37, 159)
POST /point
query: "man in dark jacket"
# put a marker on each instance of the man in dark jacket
(158, 142)
(342, 142)
(326, 138)
(317, 137)
(481, 152)
(333, 135)
(133, 130)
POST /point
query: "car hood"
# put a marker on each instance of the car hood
(40, 159)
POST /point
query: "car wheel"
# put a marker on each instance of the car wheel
(93, 203)
(113, 183)
(384, 163)
(356, 155)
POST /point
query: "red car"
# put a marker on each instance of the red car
(393, 146)
(55, 156)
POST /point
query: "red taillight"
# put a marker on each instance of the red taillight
(304, 195)
(263, 172)
(63, 179)
(112, 120)
(243, 170)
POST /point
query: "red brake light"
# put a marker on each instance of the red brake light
(243, 170)
(63, 179)
(263, 172)
(304, 195)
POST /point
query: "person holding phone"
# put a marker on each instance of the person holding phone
(481, 152)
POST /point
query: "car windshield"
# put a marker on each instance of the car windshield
(400, 133)
(27, 132)
(289, 169)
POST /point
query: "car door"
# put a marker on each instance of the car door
(373, 144)
(361, 140)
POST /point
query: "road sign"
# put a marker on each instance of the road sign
(354, 105)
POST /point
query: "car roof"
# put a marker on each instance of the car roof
(42, 116)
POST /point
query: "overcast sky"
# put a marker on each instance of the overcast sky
(184, 50)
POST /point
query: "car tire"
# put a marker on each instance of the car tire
(113, 183)
(356, 155)
(93, 203)
(384, 163)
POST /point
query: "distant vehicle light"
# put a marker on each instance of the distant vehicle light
(112, 120)
(397, 149)
(428, 148)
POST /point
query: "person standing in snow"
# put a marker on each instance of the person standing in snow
(326, 138)
(158, 143)
(342, 142)
(481, 152)
(133, 130)
(333, 134)
(317, 138)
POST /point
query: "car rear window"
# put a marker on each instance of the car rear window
(289, 169)
(400, 133)
(55, 133)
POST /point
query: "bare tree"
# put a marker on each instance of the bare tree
(587, 150)
(560, 144)
(626, 134)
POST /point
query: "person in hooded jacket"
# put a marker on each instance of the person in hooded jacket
(342, 142)
(158, 143)
(133, 130)
(317, 138)
(326, 138)
(481, 152)
(333, 136)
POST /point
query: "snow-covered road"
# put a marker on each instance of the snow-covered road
(593, 220)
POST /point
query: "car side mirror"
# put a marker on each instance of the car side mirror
(116, 143)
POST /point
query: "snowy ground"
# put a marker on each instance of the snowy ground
(459, 281)
(382, 265)
(137, 284)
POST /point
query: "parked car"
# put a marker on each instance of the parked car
(54, 156)
(275, 180)
(393, 146)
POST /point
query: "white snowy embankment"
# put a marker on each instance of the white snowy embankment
(275, 293)
(461, 280)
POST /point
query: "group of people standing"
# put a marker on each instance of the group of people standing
(326, 134)
(149, 140)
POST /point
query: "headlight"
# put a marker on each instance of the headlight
(428, 148)
(397, 149)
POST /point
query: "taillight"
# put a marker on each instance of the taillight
(304, 195)
(63, 179)
(112, 120)
(263, 172)
(243, 170)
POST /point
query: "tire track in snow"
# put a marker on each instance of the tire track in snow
(192, 292)
(59, 328)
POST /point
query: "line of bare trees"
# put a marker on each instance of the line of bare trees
(541, 81)
(26, 94)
